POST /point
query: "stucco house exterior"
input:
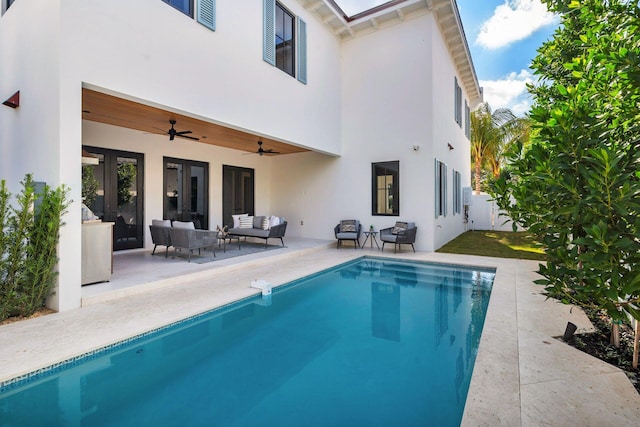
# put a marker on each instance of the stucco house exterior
(362, 116)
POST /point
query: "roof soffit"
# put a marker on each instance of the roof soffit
(395, 12)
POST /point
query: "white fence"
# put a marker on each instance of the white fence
(485, 215)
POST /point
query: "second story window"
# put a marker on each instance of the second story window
(184, 6)
(457, 96)
(204, 10)
(285, 40)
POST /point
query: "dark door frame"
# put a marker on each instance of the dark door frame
(234, 178)
(187, 188)
(111, 194)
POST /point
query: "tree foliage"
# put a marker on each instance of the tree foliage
(29, 234)
(492, 132)
(577, 186)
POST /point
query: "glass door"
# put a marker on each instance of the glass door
(237, 192)
(113, 190)
(186, 195)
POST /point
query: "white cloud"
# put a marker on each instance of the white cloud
(513, 21)
(509, 92)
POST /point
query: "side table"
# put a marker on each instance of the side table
(371, 236)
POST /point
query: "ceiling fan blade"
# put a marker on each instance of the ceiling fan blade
(182, 132)
(179, 134)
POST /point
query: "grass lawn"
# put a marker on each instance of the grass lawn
(502, 244)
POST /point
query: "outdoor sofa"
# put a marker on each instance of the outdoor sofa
(261, 227)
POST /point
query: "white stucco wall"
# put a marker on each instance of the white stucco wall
(368, 99)
(148, 50)
(447, 131)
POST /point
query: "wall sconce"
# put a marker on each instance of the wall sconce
(13, 101)
(450, 146)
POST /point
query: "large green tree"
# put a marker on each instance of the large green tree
(577, 186)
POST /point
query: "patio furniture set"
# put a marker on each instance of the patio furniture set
(402, 233)
(184, 236)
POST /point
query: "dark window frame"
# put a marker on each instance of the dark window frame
(190, 13)
(285, 48)
(458, 101)
(457, 192)
(440, 188)
(391, 190)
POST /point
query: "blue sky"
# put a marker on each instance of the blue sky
(503, 36)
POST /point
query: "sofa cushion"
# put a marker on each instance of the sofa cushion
(161, 223)
(265, 223)
(184, 224)
(250, 232)
(273, 221)
(245, 222)
(348, 226)
(236, 219)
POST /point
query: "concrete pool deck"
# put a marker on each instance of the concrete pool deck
(523, 376)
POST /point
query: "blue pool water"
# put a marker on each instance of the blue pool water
(374, 342)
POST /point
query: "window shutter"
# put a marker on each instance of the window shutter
(207, 13)
(437, 187)
(269, 29)
(302, 51)
(444, 198)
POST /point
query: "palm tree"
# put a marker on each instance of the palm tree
(491, 134)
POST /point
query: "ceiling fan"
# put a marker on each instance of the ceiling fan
(182, 134)
(262, 151)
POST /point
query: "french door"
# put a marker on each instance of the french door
(186, 191)
(237, 192)
(117, 193)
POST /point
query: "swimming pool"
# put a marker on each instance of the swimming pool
(370, 342)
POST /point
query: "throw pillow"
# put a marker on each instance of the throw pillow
(265, 223)
(273, 221)
(257, 221)
(236, 219)
(348, 226)
(400, 227)
(245, 222)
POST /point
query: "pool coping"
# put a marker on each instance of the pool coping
(522, 375)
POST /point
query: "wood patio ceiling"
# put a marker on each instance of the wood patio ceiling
(112, 110)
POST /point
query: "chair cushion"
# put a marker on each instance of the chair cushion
(184, 224)
(161, 223)
(236, 219)
(348, 226)
(399, 227)
(347, 236)
(245, 222)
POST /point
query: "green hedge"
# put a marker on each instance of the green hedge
(30, 230)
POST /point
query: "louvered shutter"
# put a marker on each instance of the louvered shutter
(437, 187)
(207, 13)
(302, 51)
(269, 38)
(444, 190)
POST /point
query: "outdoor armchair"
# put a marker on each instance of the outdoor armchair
(190, 239)
(348, 229)
(160, 235)
(403, 233)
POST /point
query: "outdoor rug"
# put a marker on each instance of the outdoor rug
(246, 248)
